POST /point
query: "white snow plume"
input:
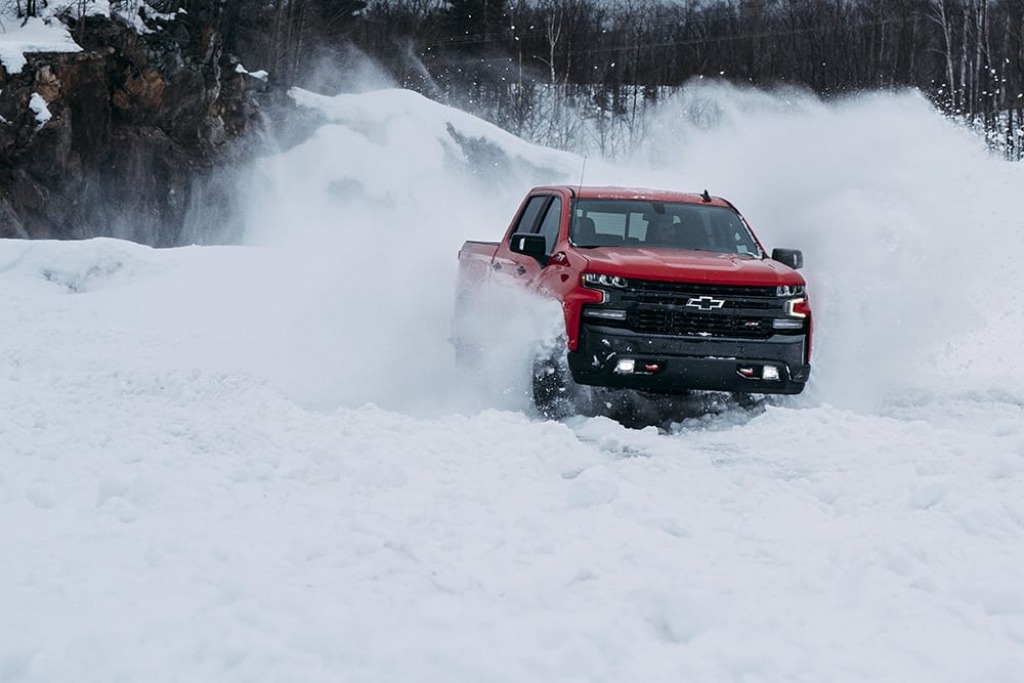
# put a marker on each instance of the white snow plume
(371, 212)
(501, 332)
(904, 221)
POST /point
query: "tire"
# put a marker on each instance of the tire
(555, 394)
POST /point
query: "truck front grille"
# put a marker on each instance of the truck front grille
(702, 310)
(661, 321)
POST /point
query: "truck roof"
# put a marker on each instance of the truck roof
(642, 193)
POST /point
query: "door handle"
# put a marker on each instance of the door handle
(520, 270)
(495, 266)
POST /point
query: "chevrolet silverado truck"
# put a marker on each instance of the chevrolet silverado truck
(661, 292)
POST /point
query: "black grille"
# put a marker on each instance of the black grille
(665, 321)
(703, 310)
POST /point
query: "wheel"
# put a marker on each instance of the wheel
(555, 394)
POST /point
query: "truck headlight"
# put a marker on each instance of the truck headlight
(789, 290)
(600, 280)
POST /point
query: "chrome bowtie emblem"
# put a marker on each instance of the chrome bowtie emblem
(705, 303)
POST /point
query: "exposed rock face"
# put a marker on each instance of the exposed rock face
(145, 130)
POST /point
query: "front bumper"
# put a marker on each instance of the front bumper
(674, 365)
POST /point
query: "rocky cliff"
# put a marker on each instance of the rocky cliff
(144, 132)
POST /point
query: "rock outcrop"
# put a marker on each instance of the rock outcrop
(143, 135)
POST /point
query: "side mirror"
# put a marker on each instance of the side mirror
(530, 244)
(794, 258)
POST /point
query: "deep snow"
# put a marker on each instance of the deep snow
(258, 463)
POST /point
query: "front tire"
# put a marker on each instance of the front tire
(555, 394)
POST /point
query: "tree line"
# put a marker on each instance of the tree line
(523, 64)
(967, 56)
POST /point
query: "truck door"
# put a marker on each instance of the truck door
(541, 215)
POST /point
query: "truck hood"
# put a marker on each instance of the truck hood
(689, 266)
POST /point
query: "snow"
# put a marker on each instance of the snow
(261, 74)
(47, 33)
(258, 462)
(38, 106)
(35, 35)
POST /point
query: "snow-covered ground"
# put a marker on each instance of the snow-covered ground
(258, 462)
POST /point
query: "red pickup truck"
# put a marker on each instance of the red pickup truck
(662, 292)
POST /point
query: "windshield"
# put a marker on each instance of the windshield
(662, 225)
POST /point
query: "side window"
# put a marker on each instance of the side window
(549, 226)
(528, 220)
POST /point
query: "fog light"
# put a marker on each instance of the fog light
(625, 366)
(770, 372)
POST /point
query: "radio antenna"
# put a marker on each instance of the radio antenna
(573, 218)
